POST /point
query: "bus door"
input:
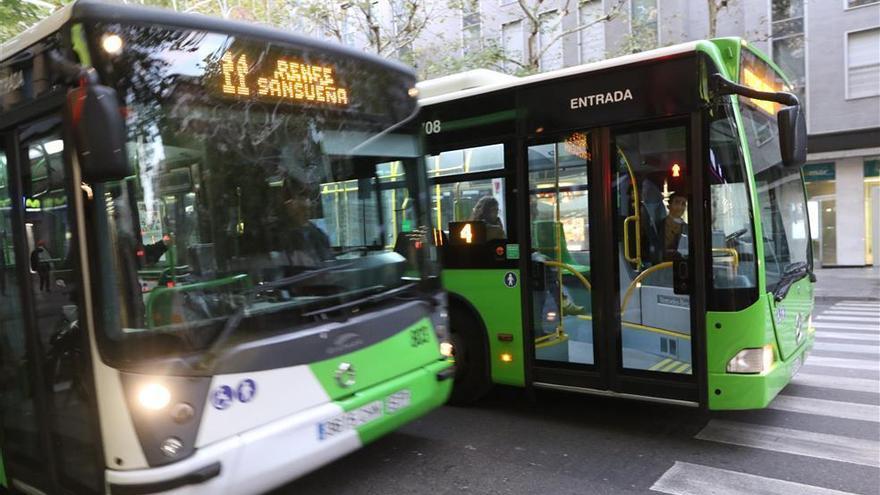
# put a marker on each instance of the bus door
(48, 425)
(651, 196)
(609, 277)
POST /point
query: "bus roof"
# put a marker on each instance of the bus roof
(449, 88)
(115, 12)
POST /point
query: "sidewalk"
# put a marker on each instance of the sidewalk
(834, 284)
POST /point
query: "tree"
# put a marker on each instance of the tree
(18, 15)
(443, 58)
(392, 34)
(536, 24)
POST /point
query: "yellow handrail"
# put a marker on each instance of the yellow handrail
(573, 271)
(555, 338)
(731, 252)
(559, 336)
(638, 279)
(626, 254)
(635, 216)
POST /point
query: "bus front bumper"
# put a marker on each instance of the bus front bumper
(266, 457)
(733, 391)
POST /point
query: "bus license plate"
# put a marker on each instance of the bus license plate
(365, 414)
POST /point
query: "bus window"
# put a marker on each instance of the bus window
(466, 160)
(481, 200)
(733, 252)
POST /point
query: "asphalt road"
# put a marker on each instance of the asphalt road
(821, 436)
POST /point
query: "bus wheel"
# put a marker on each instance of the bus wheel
(471, 359)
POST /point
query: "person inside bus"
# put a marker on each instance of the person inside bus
(303, 242)
(40, 263)
(552, 285)
(486, 210)
(673, 227)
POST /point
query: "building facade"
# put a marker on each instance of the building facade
(830, 49)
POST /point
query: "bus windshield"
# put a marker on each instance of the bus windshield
(264, 195)
(781, 194)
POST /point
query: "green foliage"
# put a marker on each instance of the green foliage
(18, 15)
(442, 59)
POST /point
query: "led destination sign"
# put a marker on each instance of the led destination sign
(290, 80)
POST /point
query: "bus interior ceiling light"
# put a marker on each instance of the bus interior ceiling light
(112, 43)
(754, 360)
(154, 396)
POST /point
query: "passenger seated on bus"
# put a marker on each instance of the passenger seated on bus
(674, 227)
(304, 244)
(486, 210)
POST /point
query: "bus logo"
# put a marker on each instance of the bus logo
(222, 397)
(345, 375)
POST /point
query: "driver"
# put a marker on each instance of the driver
(674, 226)
(303, 242)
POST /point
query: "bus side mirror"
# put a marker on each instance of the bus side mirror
(792, 135)
(98, 129)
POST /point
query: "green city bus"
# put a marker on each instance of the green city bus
(599, 226)
(200, 292)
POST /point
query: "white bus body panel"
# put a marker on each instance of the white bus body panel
(258, 460)
(279, 393)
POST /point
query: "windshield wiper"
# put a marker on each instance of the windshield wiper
(364, 300)
(790, 274)
(792, 268)
(234, 320)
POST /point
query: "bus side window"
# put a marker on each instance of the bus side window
(478, 200)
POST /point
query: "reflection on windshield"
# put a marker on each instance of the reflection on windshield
(235, 198)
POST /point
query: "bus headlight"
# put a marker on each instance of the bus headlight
(154, 396)
(754, 360)
(447, 349)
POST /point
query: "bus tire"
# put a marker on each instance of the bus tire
(471, 358)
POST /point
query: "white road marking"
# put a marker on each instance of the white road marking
(806, 443)
(857, 319)
(684, 478)
(863, 348)
(853, 312)
(868, 304)
(844, 326)
(830, 408)
(871, 337)
(858, 364)
(837, 382)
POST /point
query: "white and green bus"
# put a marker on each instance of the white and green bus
(201, 290)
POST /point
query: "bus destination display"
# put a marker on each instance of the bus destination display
(290, 80)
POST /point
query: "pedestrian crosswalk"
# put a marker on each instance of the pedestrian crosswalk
(837, 391)
(693, 479)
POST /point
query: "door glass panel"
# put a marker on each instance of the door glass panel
(559, 217)
(651, 192)
(21, 433)
(54, 282)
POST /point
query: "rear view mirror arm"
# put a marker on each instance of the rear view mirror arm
(721, 86)
(70, 72)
